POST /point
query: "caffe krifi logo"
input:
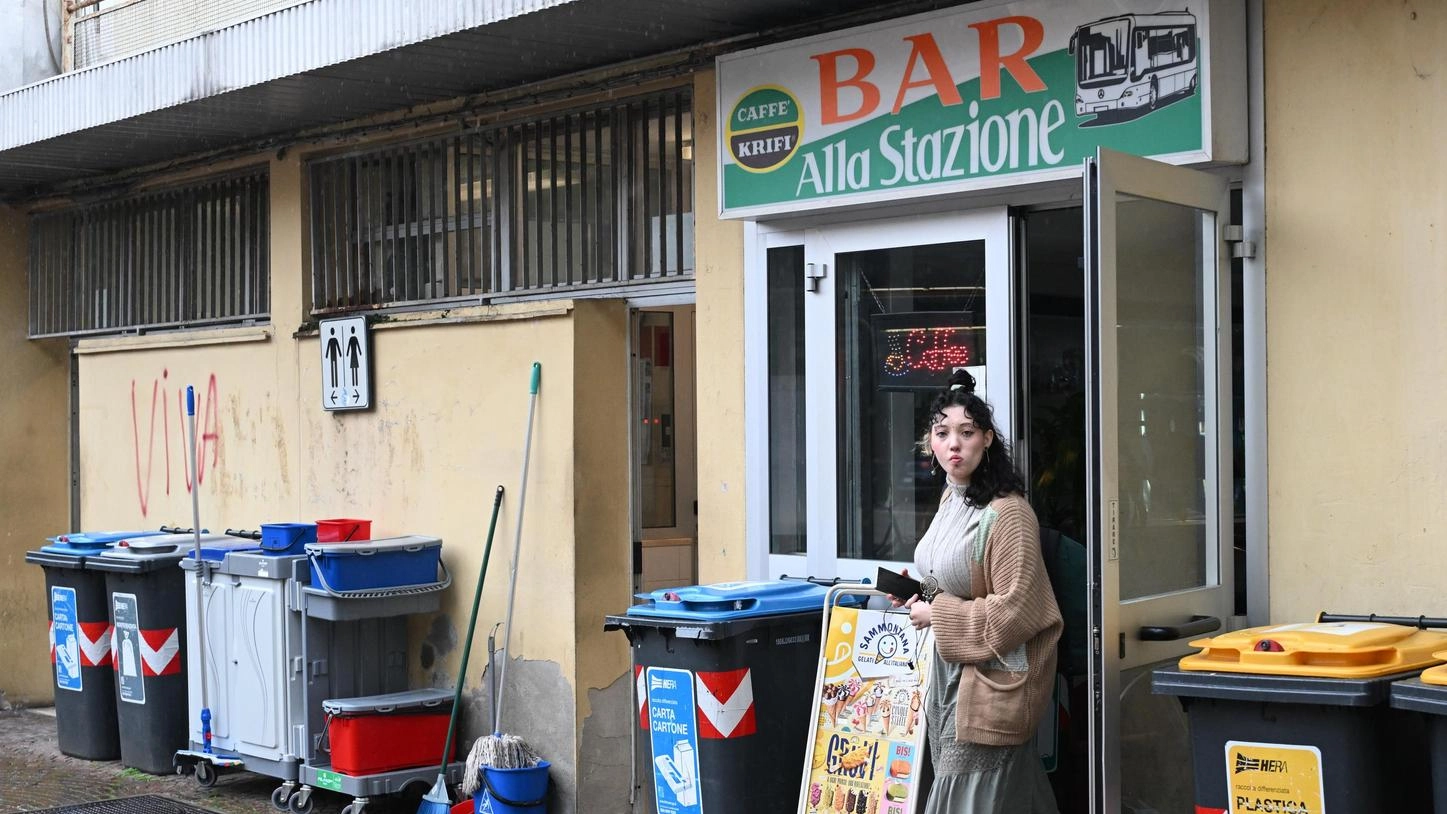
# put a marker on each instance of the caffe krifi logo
(886, 642)
(765, 128)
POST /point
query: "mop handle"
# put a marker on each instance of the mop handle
(472, 626)
(517, 547)
(200, 583)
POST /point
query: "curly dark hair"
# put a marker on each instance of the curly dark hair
(996, 475)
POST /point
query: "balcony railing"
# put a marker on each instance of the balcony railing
(99, 31)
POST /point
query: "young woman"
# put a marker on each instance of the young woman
(987, 596)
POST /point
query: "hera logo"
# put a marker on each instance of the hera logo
(1256, 764)
(765, 128)
(657, 683)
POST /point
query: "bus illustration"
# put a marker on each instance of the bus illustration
(1131, 64)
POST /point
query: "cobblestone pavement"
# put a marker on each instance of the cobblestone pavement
(35, 775)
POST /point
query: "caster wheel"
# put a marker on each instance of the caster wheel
(279, 797)
(205, 774)
(353, 808)
(301, 802)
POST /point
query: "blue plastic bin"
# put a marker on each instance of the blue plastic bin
(513, 791)
(393, 562)
(287, 539)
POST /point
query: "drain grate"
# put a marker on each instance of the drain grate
(148, 804)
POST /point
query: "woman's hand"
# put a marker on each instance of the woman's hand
(894, 601)
(919, 612)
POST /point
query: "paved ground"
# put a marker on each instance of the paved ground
(35, 775)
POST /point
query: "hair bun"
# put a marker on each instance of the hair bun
(961, 378)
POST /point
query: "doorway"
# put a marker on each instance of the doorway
(664, 444)
(833, 409)
(1050, 263)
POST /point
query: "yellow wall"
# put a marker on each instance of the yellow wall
(450, 409)
(1356, 297)
(720, 369)
(34, 487)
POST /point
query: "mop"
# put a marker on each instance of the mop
(500, 751)
(437, 801)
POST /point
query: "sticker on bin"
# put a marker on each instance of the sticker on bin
(731, 600)
(1279, 777)
(676, 777)
(125, 642)
(1321, 650)
(724, 702)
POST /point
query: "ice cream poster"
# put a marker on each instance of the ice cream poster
(868, 728)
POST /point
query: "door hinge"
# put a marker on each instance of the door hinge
(813, 273)
(1241, 248)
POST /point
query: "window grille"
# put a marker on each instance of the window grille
(193, 255)
(584, 199)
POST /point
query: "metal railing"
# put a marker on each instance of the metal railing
(589, 198)
(192, 255)
(98, 31)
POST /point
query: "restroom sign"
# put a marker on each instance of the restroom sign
(346, 364)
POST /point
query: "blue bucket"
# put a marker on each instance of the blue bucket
(513, 791)
(287, 539)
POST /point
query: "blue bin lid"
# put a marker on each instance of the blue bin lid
(731, 600)
(83, 543)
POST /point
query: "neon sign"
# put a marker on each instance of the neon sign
(918, 351)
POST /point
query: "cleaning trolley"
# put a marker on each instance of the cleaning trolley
(348, 583)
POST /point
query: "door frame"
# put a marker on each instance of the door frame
(821, 243)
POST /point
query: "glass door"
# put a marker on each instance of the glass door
(1159, 474)
(665, 494)
(865, 324)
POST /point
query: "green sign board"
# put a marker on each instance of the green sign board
(969, 98)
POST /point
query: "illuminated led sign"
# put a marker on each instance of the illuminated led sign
(918, 351)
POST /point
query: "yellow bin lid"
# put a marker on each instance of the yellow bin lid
(1436, 675)
(1320, 650)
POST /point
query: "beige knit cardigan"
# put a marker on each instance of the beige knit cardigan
(1012, 605)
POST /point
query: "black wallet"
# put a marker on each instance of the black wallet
(896, 584)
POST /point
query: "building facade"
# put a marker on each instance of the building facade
(743, 241)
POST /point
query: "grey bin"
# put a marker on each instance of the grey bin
(77, 605)
(1372, 756)
(147, 604)
(1415, 695)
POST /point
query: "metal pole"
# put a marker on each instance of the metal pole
(200, 569)
(517, 544)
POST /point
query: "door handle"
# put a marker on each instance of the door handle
(1170, 633)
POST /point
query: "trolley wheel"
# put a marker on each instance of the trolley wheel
(354, 808)
(205, 774)
(301, 802)
(279, 797)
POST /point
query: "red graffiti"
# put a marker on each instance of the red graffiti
(208, 437)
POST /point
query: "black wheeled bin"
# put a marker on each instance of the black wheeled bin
(80, 643)
(1295, 718)
(1426, 695)
(724, 676)
(147, 598)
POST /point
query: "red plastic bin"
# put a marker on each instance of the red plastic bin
(383, 733)
(343, 530)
